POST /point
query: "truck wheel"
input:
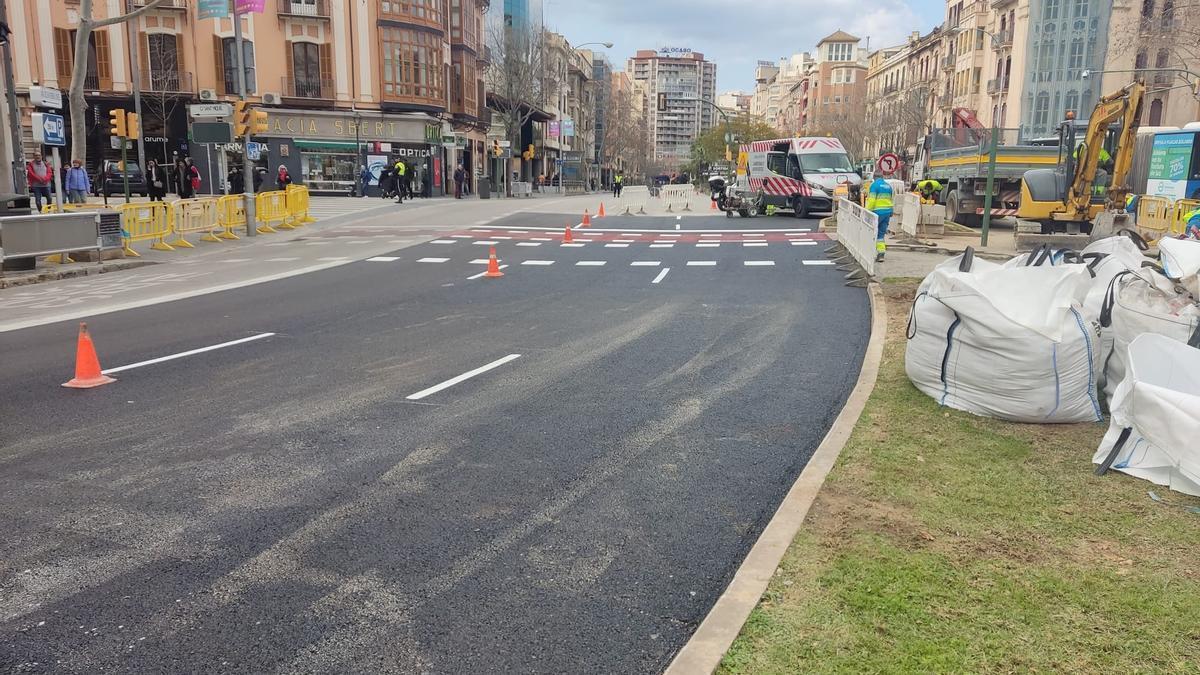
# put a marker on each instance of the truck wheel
(954, 208)
(800, 207)
(728, 214)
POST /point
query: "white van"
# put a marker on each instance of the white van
(798, 173)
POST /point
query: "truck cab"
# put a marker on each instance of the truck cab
(800, 174)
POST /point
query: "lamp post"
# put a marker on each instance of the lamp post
(991, 170)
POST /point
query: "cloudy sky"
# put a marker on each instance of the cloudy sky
(736, 33)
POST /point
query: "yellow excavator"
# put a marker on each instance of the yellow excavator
(1085, 193)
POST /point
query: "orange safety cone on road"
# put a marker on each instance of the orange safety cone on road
(600, 213)
(493, 264)
(587, 219)
(713, 205)
(87, 365)
(567, 237)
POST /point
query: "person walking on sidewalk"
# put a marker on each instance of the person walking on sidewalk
(283, 178)
(879, 200)
(364, 180)
(460, 177)
(400, 174)
(236, 180)
(618, 183)
(156, 181)
(39, 174)
(78, 184)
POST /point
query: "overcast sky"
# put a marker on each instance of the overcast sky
(735, 34)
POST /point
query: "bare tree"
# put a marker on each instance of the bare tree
(1167, 38)
(624, 139)
(895, 120)
(88, 24)
(516, 77)
(160, 90)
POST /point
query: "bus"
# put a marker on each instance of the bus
(1174, 164)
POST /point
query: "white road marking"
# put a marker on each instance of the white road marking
(540, 239)
(678, 217)
(333, 259)
(317, 243)
(476, 276)
(662, 245)
(645, 263)
(443, 241)
(383, 258)
(190, 352)
(705, 244)
(280, 243)
(677, 226)
(616, 246)
(664, 241)
(817, 262)
(625, 231)
(462, 236)
(235, 260)
(800, 229)
(572, 245)
(537, 262)
(672, 235)
(753, 234)
(701, 263)
(499, 237)
(479, 261)
(485, 242)
(661, 274)
(461, 378)
(359, 241)
(804, 243)
(519, 231)
(432, 260)
(754, 243)
(483, 222)
(591, 263)
(758, 263)
(624, 241)
(528, 243)
(281, 259)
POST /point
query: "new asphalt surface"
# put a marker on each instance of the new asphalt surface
(283, 505)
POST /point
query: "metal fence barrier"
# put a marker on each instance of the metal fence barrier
(147, 221)
(856, 231)
(272, 211)
(635, 197)
(676, 196)
(231, 213)
(297, 202)
(194, 215)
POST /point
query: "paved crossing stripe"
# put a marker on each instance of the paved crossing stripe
(537, 262)
(645, 263)
(443, 241)
(591, 263)
(529, 243)
(616, 246)
(701, 263)
(433, 260)
(485, 242)
(758, 263)
(383, 258)
(817, 262)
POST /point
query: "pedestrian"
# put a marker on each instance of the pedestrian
(879, 200)
(618, 182)
(364, 180)
(40, 175)
(414, 180)
(77, 183)
(400, 173)
(260, 175)
(386, 181)
(929, 190)
(460, 177)
(189, 179)
(236, 180)
(283, 178)
(179, 177)
(156, 181)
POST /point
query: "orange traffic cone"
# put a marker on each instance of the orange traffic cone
(600, 213)
(713, 206)
(587, 219)
(87, 365)
(493, 264)
(567, 237)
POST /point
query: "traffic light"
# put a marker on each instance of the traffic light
(497, 151)
(258, 122)
(662, 102)
(241, 118)
(132, 125)
(530, 152)
(116, 122)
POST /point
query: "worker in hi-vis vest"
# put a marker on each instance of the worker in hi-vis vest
(879, 201)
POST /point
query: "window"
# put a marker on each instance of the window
(1164, 56)
(227, 62)
(1140, 61)
(1156, 108)
(1075, 61)
(99, 59)
(306, 71)
(1168, 14)
(1050, 10)
(412, 65)
(421, 11)
(1041, 110)
(1071, 103)
(1147, 9)
(161, 57)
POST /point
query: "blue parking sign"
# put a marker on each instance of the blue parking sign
(49, 129)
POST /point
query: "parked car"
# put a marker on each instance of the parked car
(112, 179)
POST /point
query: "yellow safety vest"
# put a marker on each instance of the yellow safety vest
(880, 197)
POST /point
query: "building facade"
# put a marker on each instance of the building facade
(837, 86)
(343, 84)
(688, 81)
(1151, 35)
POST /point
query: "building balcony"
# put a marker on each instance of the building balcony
(166, 81)
(946, 101)
(1164, 79)
(996, 86)
(313, 8)
(948, 62)
(308, 88)
(180, 5)
(1003, 39)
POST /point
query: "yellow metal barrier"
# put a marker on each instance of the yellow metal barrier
(1179, 217)
(271, 211)
(1154, 217)
(231, 213)
(145, 222)
(297, 201)
(194, 215)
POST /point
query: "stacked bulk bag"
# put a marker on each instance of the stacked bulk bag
(1010, 342)
(1156, 416)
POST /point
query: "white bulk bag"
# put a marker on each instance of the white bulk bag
(1156, 416)
(1118, 254)
(1006, 341)
(1181, 262)
(1142, 302)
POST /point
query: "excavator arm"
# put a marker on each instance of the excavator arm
(1124, 106)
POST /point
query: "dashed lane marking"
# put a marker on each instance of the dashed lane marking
(758, 263)
(529, 243)
(281, 260)
(616, 246)
(465, 376)
(540, 239)
(662, 245)
(476, 276)
(591, 263)
(462, 236)
(645, 263)
(235, 260)
(485, 242)
(754, 243)
(190, 352)
(383, 258)
(478, 261)
(804, 243)
(333, 259)
(443, 241)
(702, 263)
(571, 245)
(661, 275)
(499, 237)
(817, 262)
(707, 245)
(432, 260)
(624, 241)
(537, 262)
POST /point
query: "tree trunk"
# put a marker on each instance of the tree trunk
(78, 74)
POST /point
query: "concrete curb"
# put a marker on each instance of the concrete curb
(707, 646)
(949, 252)
(70, 272)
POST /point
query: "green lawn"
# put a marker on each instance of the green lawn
(944, 542)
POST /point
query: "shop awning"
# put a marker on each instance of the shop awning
(324, 145)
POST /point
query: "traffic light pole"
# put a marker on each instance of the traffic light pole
(136, 67)
(247, 165)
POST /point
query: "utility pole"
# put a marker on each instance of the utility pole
(135, 66)
(14, 115)
(247, 165)
(991, 186)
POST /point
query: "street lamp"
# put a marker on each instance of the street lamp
(606, 45)
(991, 171)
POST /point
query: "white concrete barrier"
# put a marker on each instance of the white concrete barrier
(634, 198)
(856, 231)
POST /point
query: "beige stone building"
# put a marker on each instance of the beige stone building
(1156, 34)
(343, 83)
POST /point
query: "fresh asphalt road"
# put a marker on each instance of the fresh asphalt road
(281, 505)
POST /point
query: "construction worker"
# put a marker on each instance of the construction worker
(929, 189)
(879, 201)
(618, 183)
(400, 172)
(1192, 228)
(1131, 205)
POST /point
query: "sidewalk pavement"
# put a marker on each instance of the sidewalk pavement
(907, 257)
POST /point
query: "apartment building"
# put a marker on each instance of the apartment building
(734, 103)
(837, 84)
(687, 80)
(344, 83)
(1155, 34)
(890, 101)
